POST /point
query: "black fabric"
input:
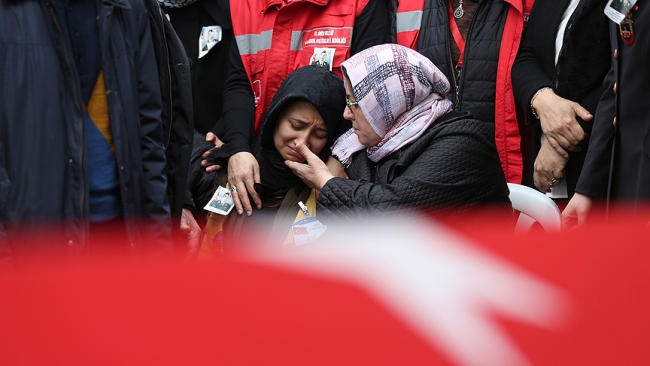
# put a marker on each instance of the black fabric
(210, 71)
(38, 84)
(199, 182)
(618, 162)
(453, 165)
(583, 61)
(578, 76)
(177, 115)
(475, 92)
(236, 128)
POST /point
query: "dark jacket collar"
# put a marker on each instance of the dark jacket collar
(125, 4)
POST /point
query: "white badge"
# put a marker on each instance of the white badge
(210, 36)
(307, 231)
(221, 202)
(617, 9)
(323, 57)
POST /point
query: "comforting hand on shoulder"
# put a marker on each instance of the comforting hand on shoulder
(243, 173)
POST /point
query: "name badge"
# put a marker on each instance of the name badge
(307, 231)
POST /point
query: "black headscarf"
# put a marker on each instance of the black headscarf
(325, 91)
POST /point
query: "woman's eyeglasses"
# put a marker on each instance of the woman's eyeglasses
(350, 104)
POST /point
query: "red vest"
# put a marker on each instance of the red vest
(276, 37)
(506, 127)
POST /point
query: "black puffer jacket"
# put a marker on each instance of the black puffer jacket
(454, 164)
(477, 88)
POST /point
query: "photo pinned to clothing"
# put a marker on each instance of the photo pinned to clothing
(210, 36)
(221, 202)
(323, 57)
(616, 10)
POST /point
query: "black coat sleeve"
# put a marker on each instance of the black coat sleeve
(200, 184)
(236, 128)
(594, 177)
(156, 210)
(528, 75)
(5, 248)
(371, 27)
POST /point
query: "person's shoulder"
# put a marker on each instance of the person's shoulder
(454, 125)
(467, 124)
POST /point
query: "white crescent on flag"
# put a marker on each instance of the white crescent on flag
(449, 291)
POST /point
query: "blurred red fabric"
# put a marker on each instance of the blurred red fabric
(236, 312)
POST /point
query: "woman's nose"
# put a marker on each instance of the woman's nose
(303, 138)
(347, 114)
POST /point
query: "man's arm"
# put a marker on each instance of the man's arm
(236, 128)
(557, 117)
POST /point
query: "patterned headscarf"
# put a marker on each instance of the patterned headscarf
(400, 92)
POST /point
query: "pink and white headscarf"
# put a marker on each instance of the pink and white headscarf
(400, 92)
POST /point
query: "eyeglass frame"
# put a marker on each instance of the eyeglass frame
(350, 104)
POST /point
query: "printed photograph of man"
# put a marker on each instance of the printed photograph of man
(223, 203)
(322, 58)
(210, 36)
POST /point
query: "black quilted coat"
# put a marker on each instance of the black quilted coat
(453, 165)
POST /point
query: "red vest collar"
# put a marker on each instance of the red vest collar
(517, 4)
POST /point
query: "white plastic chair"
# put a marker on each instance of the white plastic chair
(534, 206)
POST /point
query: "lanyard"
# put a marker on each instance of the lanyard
(455, 32)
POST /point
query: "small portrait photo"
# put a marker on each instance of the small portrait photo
(210, 36)
(323, 57)
(221, 202)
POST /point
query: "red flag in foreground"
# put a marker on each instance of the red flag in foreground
(406, 293)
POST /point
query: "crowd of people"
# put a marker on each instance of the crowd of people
(187, 125)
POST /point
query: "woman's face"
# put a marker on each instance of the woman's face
(300, 122)
(367, 136)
